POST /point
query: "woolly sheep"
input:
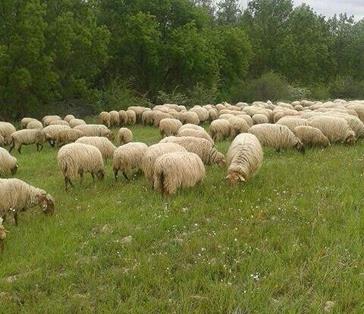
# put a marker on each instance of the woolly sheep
(244, 158)
(311, 136)
(27, 137)
(76, 158)
(75, 122)
(69, 117)
(8, 163)
(276, 136)
(2, 140)
(153, 152)
(6, 129)
(292, 121)
(67, 136)
(213, 114)
(51, 132)
(17, 196)
(196, 133)
(123, 117)
(128, 158)
(131, 117)
(191, 126)
(58, 122)
(189, 117)
(158, 116)
(25, 121)
(95, 130)
(248, 119)
(124, 136)
(168, 126)
(200, 146)
(202, 113)
(177, 170)
(335, 129)
(220, 129)
(238, 125)
(147, 117)
(260, 118)
(48, 119)
(114, 118)
(138, 111)
(34, 124)
(105, 119)
(102, 143)
(3, 233)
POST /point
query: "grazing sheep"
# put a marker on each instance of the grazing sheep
(131, 117)
(177, 170)
(147, 117)
(260, 118)
(200, 146)
(189, 117)
(67, 136)
(213, 114)
(276, 136)
(202, 113)
(25, 121)
(128, 158)
(238, 125)
(196, 133)
(191, 126)
(105, 118)
(123, 117)
(114, 118)
(158, 116)
(95, 130)
(244, 158)
(48, 119)
(138, 111)
(248, 119)
(292, 121)
(34, 124)
(76, 158)
(6, 129)
(153, 152)
(168, 126)
(75, 122)
(102, 143)
(69, 117)
(311, 136)
(27, 137)
(3, 233)
(335, 129)
(2, 140)
(124, 136)
(58, 122)
(17, 196)
(51, 132)
(220, 129)
(8, 163)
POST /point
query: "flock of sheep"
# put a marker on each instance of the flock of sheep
(179, 159)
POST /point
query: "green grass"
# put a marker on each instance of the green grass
(287, 242)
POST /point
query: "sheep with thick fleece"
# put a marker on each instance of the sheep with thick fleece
(334, 128)
(2, 140)
(6, 129)
(3, 233)
(128, 158)
(69, 117)
(153, 152)
(196, 133)
(8, 163)
(220, 129)
(191, 126)
(25, 121)
(27, 137)
(244, 158)
(131, 116)
(169, 126)
(48, 119)
(147, 117)
(260, 118)
(58, 122)
(17, 196)
(138, 111)
(105, 119)
(95, 130)
(200, 146)
(177, 170)
(124, 136)
(238, 125)
(67, 136)
(202, 113)
(76, 158)
(114, 118)
(292, 122)
(102, 143)
(189, 117)
(159, 116)
(311, 136)
(123, 117)
(51, 132)
(276, 136)
(34, 124)
(75, 122)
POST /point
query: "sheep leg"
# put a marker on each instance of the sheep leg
(11, 146)
(19, 149)
(67, 182)
(1, 246)
(81, 176)
(41, 147)
(93, 177)
(125, 176)
(16, 218)
(116, 174)
(278, 150)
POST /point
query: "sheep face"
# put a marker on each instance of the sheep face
(110, 136)
(235, 177)
(300, 147)
(350, 139)
(220, 160)
(14, 170)
(46, 202)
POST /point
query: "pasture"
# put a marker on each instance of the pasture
(288, 241)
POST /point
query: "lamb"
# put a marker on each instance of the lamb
(3, 233)
(67, 136)
(75, 122)
(95, 130)
(6, 129)
(124, 136)
(292, 121)
(34, 124)
(276, 136)
(177, 170)
(27, 137)
(244, 158)
(196, 133)
(114, 118)
(51, 132)
(76, 158)
(17, 196)
(102, 143)
(153, 152)
(220, 129)
(200, 146)
(105, 118)
(8, 163)
(128, 158)
(69, 117)
(311, 136)
(334, 128)
(168, 126)
(131, 116)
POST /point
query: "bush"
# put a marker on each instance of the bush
(347, 88)
(320, 92)
(298, 93)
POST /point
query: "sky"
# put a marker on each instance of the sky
(330, 7)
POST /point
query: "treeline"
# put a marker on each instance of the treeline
(83, 56)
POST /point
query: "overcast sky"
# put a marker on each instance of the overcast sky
(330, 7)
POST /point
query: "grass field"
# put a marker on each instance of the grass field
(287, 242)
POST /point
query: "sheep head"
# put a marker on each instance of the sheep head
(46, 201)
(300, 147)
(235, 177)
(350, 139)
(14, 169)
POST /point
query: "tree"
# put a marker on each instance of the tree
(228, 12)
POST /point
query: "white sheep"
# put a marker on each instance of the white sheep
(34, 124)
(244, 158)
(25, 121)
(95, 130)
(238, 125)
(17, 196)
(102, 143)
(2, 141)
(191, 126)
(114, 118)
(75, 122)
(128, 158)
(58, 122)
(292, 121)
(220, 129)
(69, 117)
(51, 132)
(311, 136)
(27, 137)
(8, 163)
(196, 133)
(189, 117)
(124, 136)
(105, 119)
(169, 126)
(76, 158)
(177, 170)
(6, 129)
(48, 119)
(67, 136)
(131, 116)
(123, 117)
(260, 118)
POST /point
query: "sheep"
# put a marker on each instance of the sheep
(95, 130)
(124, 136)
(189, 117)
(75, 122)
(128, 158)
(247, 118)
(8, 163)
(27, 137)
(213, 114)
(17, 196)
(196, 133)
(48, 119)
(177, 170)
(311, 136)
(69, 117)
(114, 118)
(2, 140)
(102, 143)
(244, 158)
(123, 117)
(238, 125)
(67, 136)
(260, 118)
(6, 129)
(202, 113)
(334, 128)
(76, 158)
(138, 112)
(276, 136)
(168, 126)
(25, 121)
(34, 124)
(220, 129)
(58, 122)
(131, 117)
(105, 119)
(147, 117)
(153, 152)
(51, 132)
(292, 121)
(158, 116)
(3, 233)
(200, 146)
(191, 126)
